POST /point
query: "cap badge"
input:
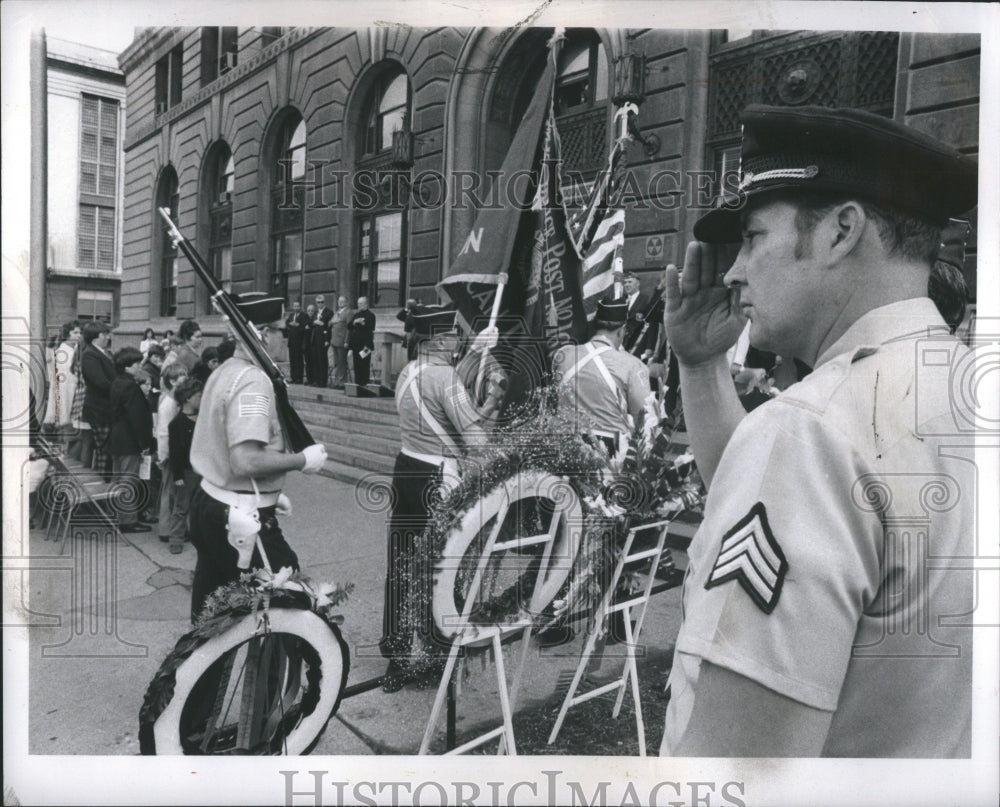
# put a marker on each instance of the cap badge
(749, 178)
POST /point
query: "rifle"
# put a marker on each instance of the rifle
(296, 434)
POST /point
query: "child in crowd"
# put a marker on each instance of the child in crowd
(188, 397)
(131, 434)
(166, 411)
(206, 364)
(153, 365)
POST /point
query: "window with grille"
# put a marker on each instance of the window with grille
(94, 305)
(288, 208)
(98, 183)
(831, 69)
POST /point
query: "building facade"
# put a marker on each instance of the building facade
(85, 109)
(332, 161)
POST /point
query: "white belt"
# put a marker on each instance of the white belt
(233, 499)
(430, 459)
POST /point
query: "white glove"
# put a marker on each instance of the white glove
(315, 456)
(486, 339)
(283, 506)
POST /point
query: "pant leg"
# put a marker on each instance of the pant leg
(182, 506)
(362, 368)
(339, 366)
(133, 499)
(322, 365)
(166, 500)
(208, 534)
(413, 485)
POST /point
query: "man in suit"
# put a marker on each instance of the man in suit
(296, 331)
(638, 303)
(338, 341)
(98, 372)
(321, 342)
(307, 351)
(361, 341)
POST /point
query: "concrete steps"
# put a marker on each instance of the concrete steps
(361, 435)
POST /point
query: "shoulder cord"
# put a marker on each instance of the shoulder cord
(439, 431)
(594, 355)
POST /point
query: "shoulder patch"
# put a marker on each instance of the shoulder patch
(750, 555)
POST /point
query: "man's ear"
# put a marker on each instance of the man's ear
(846, 224)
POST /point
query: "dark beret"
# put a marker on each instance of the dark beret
(612, 310)
(260, 308)
(845, 151)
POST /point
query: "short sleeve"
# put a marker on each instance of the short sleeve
(250, 409)
(458, 407)
(638, 388)
(785, 561)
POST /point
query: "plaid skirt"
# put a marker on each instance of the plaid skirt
(76, 411)
(102, 456)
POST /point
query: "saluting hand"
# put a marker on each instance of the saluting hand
(702, 317)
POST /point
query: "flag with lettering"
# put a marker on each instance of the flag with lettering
(489, 246)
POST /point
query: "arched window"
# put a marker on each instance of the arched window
(288, 168)
(167, 195)
(217, 188)
(380, 230)
(388, 110)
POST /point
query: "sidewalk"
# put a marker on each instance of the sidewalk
(99, 638)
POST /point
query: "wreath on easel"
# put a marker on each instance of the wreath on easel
(544, 447)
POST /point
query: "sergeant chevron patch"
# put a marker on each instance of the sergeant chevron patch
(750, 554)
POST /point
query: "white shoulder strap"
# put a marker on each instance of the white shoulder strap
(602, 368)
(590, 354)
(413, 388)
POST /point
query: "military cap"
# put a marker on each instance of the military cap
(431, 319)
(846, 151)
(260, 307)
(612, 310)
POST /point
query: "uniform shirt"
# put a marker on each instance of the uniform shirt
(828, 565)
(588, 393)
(446, 402)
(237, 405)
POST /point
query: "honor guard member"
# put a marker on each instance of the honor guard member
(239, 451)
(437, 418)
(829, 592)
(605, 386)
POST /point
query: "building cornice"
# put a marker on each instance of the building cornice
(146, 46)
(144, 131)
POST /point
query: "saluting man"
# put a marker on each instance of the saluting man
(600, 382)
(238, 450)
(437, 420)
(827, 597)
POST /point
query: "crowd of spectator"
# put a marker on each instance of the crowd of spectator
(129, 415)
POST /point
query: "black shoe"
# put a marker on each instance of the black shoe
(616, 629)
(555, 636)
(164, 539)
(137, 527)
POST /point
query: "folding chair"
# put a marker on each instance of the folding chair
(629, 674)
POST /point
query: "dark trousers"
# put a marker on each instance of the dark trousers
(414, 485)
(295, 358)
(183, 494)
(362, 368)
(134, 496)
(217, 559)
(321, 364)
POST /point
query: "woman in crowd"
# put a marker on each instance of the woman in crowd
(165, 413)
(148, 340)
(63, 381)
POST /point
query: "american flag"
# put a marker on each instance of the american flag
(599, 263)
(254, 405)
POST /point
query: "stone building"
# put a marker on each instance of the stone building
(325, 160)
(85, 106)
